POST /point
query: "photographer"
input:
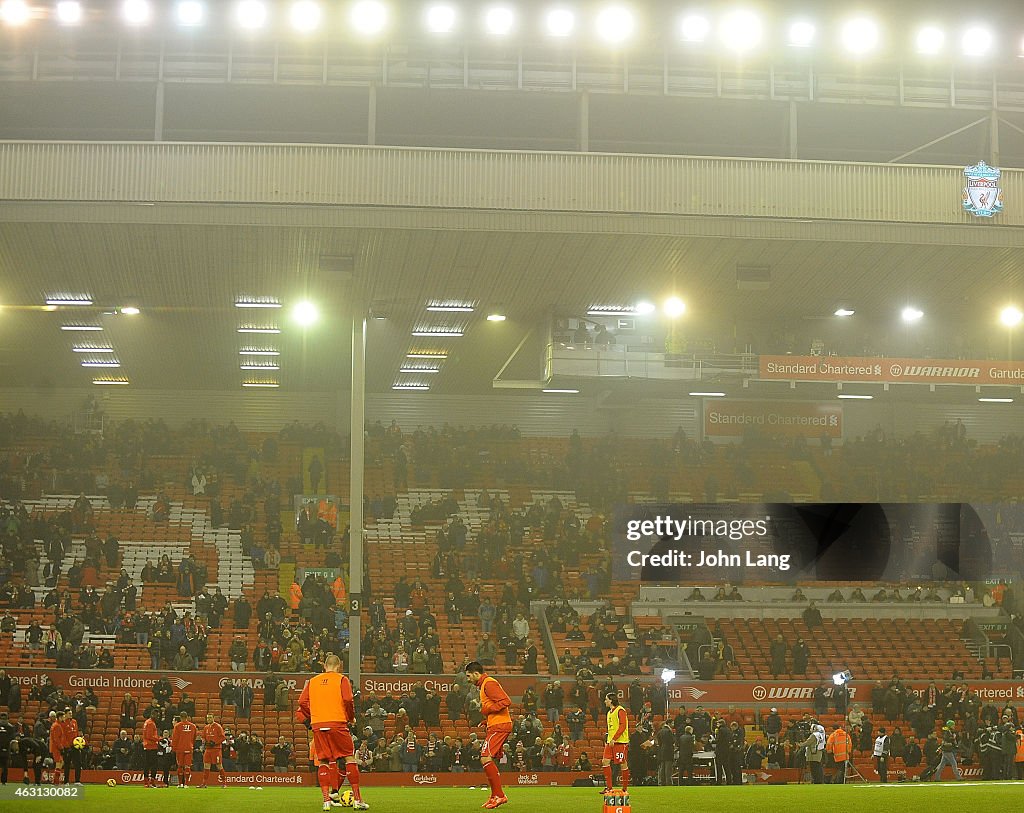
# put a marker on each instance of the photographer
(880, 752)
(814, 752)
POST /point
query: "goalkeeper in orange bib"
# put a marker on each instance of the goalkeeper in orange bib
(494, 703)
(327, 707)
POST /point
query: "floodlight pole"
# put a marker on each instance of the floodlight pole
(356, 455)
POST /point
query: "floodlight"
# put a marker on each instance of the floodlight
(369, 17)
(911, 314)
(930, 40)
(560, 22)
(440, 19)
(305, 313)
(740, 30)
(499, 20)
(860, 35)
(496, 317)
(304, 16)
(644, 308)
(69, 12)
(615, 24)
(190, 13)
(15, 12)
(841, 678)
(694, 28)
(1011, 316)
(136, 12)
(674, 307)
(801, 33)
(129, 310)
(251, 14)
(977, 41)
(668, 675)
(843, 312)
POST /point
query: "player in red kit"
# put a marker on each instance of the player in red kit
(494, 703)
(72, 755)
(213, 754)
(58, 736)
(183, 740)
(327, 707)
(150, 742)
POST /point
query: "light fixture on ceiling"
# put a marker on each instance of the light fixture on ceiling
(251, 14)
(694, 28)
(415, 387)
(560, 391)
(68, 300)
(843, 312)
(258, 352)
(612, 310)
(977, 41)
(449, 308)
(1011, 316)
(615, 24)
(440, 334)
(111, 382)
(440, 19)
(129, 310)
(860, 35)
(257, 303)
(415, 370)
(930, 40)
(708, 394)
(136, 12)
(190, 13)
(801, 33)
(741, 30)
(851, 397)
(106, 363)
(674, 307)
(69, 12)
(369, 17)
(499, 21)
(82, 328)
(559, 22)
(15, 12)
(304, 16)
(426, 355)
(268, 385)
(995, 400)
(911, 314)
(305, 313)
(496, 317)
(259, 330)
(259, 366)
(78, 348)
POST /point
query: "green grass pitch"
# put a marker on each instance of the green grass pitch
(795, 798)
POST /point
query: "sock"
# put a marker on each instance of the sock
(494, 778)
(352, 771)
(188, 776)
(221, 777)
(323, 775)
(335, 776)
(607, 776)
(206, 776)
(56, 776)
(625, 778)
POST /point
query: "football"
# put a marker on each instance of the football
(111, 782)
(79, 742)
(346, 798)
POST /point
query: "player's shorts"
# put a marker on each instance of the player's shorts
(494, 741)
(332, 741)
(183, 758)
(213, 756)
(615, 752)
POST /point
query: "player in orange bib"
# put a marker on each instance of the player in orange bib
(617, 743)
(327, 707)
(150, 743)
(494, 702)
(183, 740)
(212, 736)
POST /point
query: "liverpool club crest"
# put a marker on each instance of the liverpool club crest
(982, 195)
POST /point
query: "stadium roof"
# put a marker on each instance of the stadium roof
(186, 279)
